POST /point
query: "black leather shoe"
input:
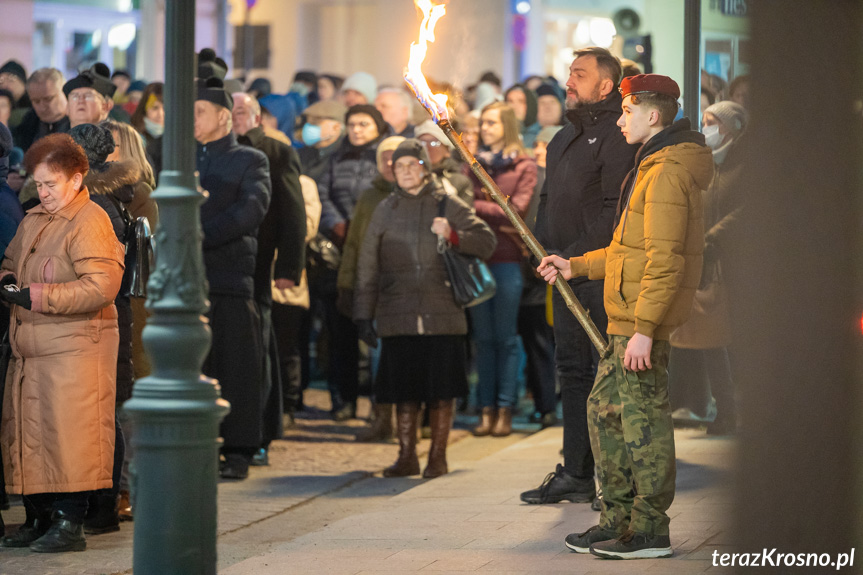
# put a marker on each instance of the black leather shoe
(102, 516)
(64, 535)
(559, 486)
(236, 466)
(26, 534)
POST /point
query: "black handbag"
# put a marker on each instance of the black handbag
(470, 279)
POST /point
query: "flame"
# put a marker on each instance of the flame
(434, 103)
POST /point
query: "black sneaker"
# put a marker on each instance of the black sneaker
(581, 542)
(632, 545)
(559, 486)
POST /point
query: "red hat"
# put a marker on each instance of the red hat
(649, 83)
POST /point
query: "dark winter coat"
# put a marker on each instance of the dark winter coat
(237, 179)
(11, 212)
(401, 279)
(120, 180)
(32, 128)
(724, 201)
(284, 226)
(586, 164)
(518, 181)
(351, 171)
(315, 160)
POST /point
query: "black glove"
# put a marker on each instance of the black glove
(21, 298)
(367, 333)
(8, 279)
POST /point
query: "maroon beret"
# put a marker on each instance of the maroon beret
(649, 83)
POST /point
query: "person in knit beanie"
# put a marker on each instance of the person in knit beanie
(98, 142)
(723, 122)
(359, 88)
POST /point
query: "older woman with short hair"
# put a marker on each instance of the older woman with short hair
(402, 284)
(60, 275)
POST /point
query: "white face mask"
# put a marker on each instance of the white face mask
(154, 129)
(712, 137)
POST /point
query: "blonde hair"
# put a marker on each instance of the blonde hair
(511, 137)
(131, 148)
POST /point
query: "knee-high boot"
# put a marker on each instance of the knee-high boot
(406, 429)
(440, 417)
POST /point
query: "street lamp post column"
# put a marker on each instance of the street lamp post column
(176, 411)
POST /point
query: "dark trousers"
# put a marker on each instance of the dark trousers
(343, 380)
(272, 425)
(236, 360)
(73, 505)
(695, 374)
(538, 340)
(288, 324)
(577, 360)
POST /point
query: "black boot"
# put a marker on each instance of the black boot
(64, 535)
(102, 516)
(34, 527)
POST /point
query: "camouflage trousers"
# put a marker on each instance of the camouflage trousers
(632, 438)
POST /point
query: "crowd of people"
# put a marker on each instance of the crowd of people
(327, 210)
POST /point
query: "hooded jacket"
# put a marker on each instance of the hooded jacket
(586, 163)
(653, 265)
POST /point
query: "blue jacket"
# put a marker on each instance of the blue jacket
(237, 179)
(11, 212)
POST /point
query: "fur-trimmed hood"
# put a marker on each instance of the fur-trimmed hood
(118, 178)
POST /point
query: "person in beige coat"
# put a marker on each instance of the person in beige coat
(60, 275)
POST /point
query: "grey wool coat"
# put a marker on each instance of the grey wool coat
(401, 279)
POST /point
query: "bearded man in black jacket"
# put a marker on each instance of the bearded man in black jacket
(281, 237)
(586, 164)
(237, 179)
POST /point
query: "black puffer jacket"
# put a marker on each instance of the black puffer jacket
(401, 278)
(237, 179)
(586, 164)
(350, 171)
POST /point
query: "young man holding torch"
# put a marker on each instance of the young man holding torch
(651, 270)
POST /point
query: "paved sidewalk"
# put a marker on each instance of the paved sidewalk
(472, 520)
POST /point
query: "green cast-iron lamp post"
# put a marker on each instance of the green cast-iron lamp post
(176, 411)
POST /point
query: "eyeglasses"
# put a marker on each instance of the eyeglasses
(403, 167)
(84, 97)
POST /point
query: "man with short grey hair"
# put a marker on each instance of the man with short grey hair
(395, 106)
(48, 112)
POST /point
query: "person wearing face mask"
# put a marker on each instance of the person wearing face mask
(699, 365)
(149, 120)
(322, 135)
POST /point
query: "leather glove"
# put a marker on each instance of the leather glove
(7, 280)
(21, 298)
(367, 333)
